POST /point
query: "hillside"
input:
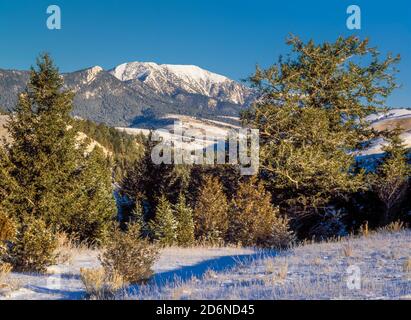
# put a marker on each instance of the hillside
(392, 119)
(80, 137)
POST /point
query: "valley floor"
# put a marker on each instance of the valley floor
(374, 267)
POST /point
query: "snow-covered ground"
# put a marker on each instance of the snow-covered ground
(189, 133)
(373, 267)
(379, 263)
(63, 280)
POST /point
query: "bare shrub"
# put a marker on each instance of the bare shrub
(128, 255)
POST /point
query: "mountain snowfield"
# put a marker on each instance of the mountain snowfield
(170, 79)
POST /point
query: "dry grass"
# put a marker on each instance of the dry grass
(310, 271)
(210, 274)
(68, 248)
(395, 226)
(347, 250)
(5, 269)
(270, 266)
(364, 231)
(7, 284)
(275, 272)
(407, 265)
(99, 285)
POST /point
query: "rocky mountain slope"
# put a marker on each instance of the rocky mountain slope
(136, 92)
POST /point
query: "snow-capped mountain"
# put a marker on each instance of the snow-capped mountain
(172, 79)
(136, 93)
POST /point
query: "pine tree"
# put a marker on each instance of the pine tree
(43, 150)
(163, 226)
(311, 113)
(210, 214)
(48, 161)
(138, 218)
(146, 181)
(7, 183)
(7, 234)
(185, 223)
(94, 207)
(34, 246)
(254, 221)
(391, 180)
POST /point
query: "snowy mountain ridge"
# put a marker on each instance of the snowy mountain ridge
(172, 79)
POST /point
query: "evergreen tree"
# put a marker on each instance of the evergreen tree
(56, 182)
(7, 234)
(7, 183)
(43, 150)
(146, 181)
(254, 221)
(210, 214)
(312, 112)
(33, 248)
(185, 223)
(94, 207)
(138, 219)
(391, 180)
(163, 226)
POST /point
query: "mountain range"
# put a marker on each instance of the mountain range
(135, 93)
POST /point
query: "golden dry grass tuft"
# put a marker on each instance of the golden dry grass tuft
(347, 250)
(407, 265)
(99, 285)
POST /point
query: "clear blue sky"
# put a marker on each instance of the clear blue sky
(225, 36)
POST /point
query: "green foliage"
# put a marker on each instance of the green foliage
(391, 180)
(185, 223)
(311, 113)
(125, 149)
(94, 207)
(129, 256)
(7, 183)
(163, 226)
(51, 178)
(43, 149)
(7, 233)
(33, 248)
(253, 219)
(211, 212)
(138, 218)
(144, 180)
